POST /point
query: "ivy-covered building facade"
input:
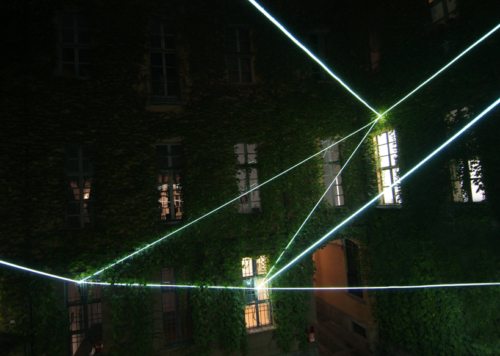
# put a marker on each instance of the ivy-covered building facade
(125, 122)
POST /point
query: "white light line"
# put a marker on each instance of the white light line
(446, 66)
(274, 21)
(156, 285)
(37, 272)
(321, 199)
(392, 185)
(226, 204)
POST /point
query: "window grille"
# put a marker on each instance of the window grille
(388, 153)
(239, 55)
(85, 319)
(331, 168)
(164, 76)
(79, 169)
(75, 45)
(177, 322)
(169, 161)
(247, 176)
(258, 311)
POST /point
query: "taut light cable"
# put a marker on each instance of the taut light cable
(392, 185)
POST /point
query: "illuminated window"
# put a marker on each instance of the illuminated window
(85, 319)
(331, 168)
(247, 176)
(163, 62)
(352, 264)
(169, 160)
(80, 211)
(177, 322)
(388, 153)
(258, 309)
(74, 45)
(239, 58)
(467, 185)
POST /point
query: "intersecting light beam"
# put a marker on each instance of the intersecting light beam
(226, 204)
(274, 21)
(321, 199)
(442, 69)
(37, 272)
(451, 139)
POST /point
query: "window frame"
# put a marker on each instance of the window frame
(248, 168)
(331, 166)
(239, 55)
(83, 305)
(83, 176)
(352, 267)
(76, 46)
(252, 280)
(393, 169)
(174, 173)
(163, 99)
(183, 333)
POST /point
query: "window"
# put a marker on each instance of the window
(239, 57)
(443, 10)
(258, 309)
(75, 46)
(388, 153)
(177, 323)
(467, 183)
(318, 43)
(374, 50)
(169, 160)
(352, 262)
(331, 167)
(248, 178)
(85, 318)
(163, 62)
(358, 329)
(80, 211)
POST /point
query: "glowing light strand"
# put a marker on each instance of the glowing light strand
(321, 199)
(156, 285)
(224, 205)
(289, 35)
(392, 185)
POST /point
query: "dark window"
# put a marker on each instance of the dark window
(443, 10)
(258, 309)
(331, 168)
(358, 329)
(169, 160)
(352, 261)
(374, 50)
(239, 58)
(247, 176)
(164, 74)
(75, 45)
(177, 323)
(85, 319)
(80, 212)
(318, 44)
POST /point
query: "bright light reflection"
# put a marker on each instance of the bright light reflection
(392, 185)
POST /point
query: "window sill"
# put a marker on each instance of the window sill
(261, 329)
(389, 206)
(355, 297)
